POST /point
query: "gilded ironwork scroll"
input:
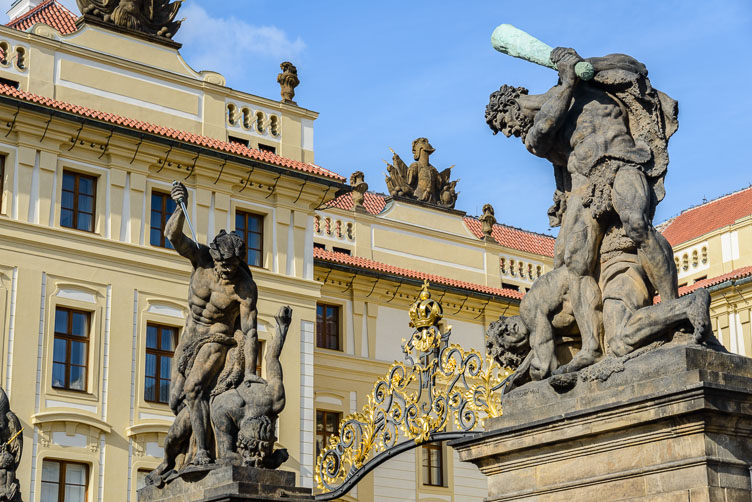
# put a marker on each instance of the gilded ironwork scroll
(441, 392)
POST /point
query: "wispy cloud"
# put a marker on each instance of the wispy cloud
(224, 44)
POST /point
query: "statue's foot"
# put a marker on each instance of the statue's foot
(699, 315)
(201, 458)
(157, 476)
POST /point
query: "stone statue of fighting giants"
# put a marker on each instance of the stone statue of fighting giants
(215, 392)
(605, 129)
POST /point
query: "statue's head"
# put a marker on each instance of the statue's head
(488, 209)
(508, 341)
(288, 67)
(420, 145)
(504, 113)
(228, 252)
(256, 439)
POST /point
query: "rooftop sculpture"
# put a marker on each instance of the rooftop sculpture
(605, 129)
(288, 80)
(215, 392)
(421, 181)
(153, 17)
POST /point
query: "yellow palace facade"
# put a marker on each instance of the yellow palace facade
(95, 124)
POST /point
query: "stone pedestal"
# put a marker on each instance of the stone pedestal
(229, 484)
(672, 424)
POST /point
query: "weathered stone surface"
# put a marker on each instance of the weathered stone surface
(673, 423)
(229, 484)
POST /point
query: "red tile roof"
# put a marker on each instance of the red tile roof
(515, 238)
(511, 237)
(354, 261)
(739, 273)
(187, 137)
(52, 13)
(373, 202)
(707, 217)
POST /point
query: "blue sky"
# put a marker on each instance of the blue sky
(383, 73)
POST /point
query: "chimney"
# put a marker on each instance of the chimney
(21, 7)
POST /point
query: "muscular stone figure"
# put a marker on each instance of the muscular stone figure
(222, 317)
(245, 417)
(610, 159)
(11, 447)
(630, 318)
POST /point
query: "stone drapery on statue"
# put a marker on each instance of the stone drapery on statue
(153, 17)
(607, 138)
(11, 448)
(421, 181)
(225, 413)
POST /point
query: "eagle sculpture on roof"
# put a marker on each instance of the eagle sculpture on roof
(154, 17)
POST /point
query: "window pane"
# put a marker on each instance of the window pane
(151, 365)
(150, 389)
(165, 365)
(66, 218)
(58, 375)
(78, 353)
(254, 258)
(61, 321)
(49, 492)
(67, 201)
(239, 221)
(79, 324)
(332, 422)
(170, 206)
(167, 337)
(75, 474)
(151, 337)
(77, 375)
(155, 237)
(319, 421)
(156, 219)
(86, 203)
(69, 181)
(50, 471)
(254, 224)
(85, 186)
(61, 347)
(254, 241)
(84, 222)
(75, 494)
(164, 391)
(156, 201)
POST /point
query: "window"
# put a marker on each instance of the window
(327, 326)
(327, 424)
(318, 245)
(259, 356)
(162, 207)
(341, 250)
(240, 141)
(250, 227)
(506, 285)
(64, 481)
(160, 347)
(71, 351)
(267, 148)
(77, 208)
(433, 464)
(141, 478)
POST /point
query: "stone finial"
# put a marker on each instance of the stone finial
(488, 220)
(357, 181)
(288, 81)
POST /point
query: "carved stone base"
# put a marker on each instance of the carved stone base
(229, 484)
(671, 424)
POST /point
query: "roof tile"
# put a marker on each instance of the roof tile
(700, 220)
(52, 13)
(515, 238)
(354, 261)
(187, 137)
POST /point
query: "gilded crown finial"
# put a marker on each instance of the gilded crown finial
(425, 312)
